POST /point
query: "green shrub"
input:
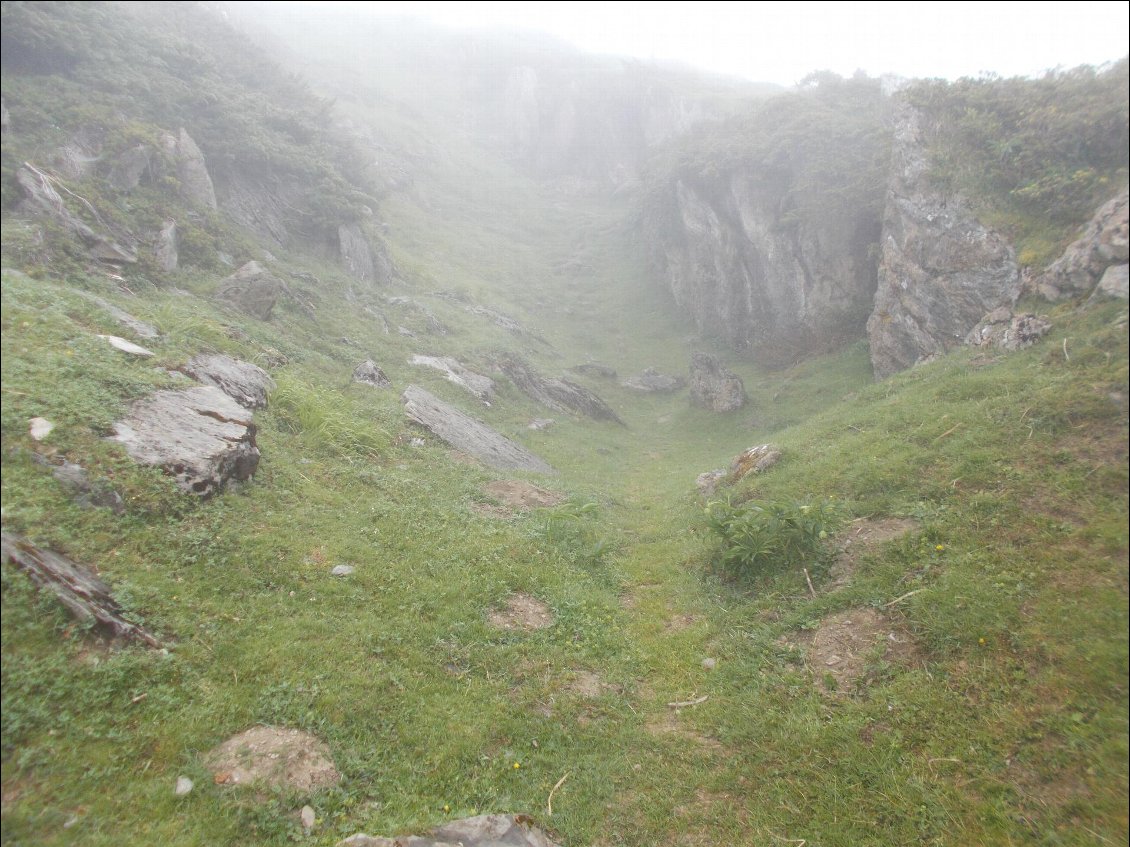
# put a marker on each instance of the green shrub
(760, 535)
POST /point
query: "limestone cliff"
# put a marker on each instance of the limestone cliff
(940, 271)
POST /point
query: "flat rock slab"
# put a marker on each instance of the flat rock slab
(126, 346)
(135, 325)
(480, 831)
(465, 433)
(521, 495)
(198, 435)
(273, 757)
(651, 381)
(83, 594)
(561, 395)
(243, 382)
(455, 371)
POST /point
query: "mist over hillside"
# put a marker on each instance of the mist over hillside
(414, 430)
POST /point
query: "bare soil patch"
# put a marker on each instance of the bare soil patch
(521, 495)
(522, 612)
(669, 725)
(847, 645)
(861, 537)
(273, 757)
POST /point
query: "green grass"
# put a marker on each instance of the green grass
(1007, 724)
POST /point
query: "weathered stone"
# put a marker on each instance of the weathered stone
(165, 248)
(129, 167)
(199, 435)
(713, 386)
(454, 371)
(707, 483)
(370, 374)
(540, 424)
(244, 382)
(39, 428)
(183, 787)
(307, 818)
(88, 493)
(561, 395)
(83, 594)
(651, 381)
(273, 757)
(342, 570)
(467, 434)
(1105, 241)
(192, 171)
(940, 271)
(1115, 282)
(252, 289)
(138, 327)
(595, 369)
(480, 831)
(1006, 331)
(754, 460)
(126, 346)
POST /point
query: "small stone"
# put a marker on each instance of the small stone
(307, 817)
(709, 664)
(126, 346)
(184, 786)
(40, 428)
(342, 570)
(539, 424)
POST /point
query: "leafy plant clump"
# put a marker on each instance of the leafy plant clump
(757, 536)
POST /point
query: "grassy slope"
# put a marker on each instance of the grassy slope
(1007, 726)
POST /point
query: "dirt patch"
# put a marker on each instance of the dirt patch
(861, 537)
(670, 725)
(522, 612)
(846, 646)
(679, 622)
(273, 757)
(521, 495)
(490, 510)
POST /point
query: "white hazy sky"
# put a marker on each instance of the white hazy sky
(781, 42)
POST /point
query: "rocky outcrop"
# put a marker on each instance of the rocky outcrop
(1115, 282)
(138, 327)
(1103, 244)
(253, 290)
(651, 381)
(130, 167)
(88, 493)
(755, 460)
(196, 187)
(561, 395)
(465, 433)
(940, 271)
(1003, 330)
(480, 831)
(165, 247)
(84, 595)
(713, 386)
(243, 382)
(454, 371)
(200, 436)
(369, 373)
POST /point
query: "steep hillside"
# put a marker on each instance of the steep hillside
(296, 551)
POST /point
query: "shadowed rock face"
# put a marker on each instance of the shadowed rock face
(200, 436)
(465, 433)
(940, 271)
(561, 395)
(1103, 245)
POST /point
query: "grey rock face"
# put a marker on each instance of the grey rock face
(195, 183)
(165, 249)
(454, 371)
(252, 289)
(940, 269)
(370, 374)
(707, 483)
(365, 258)
(465, 433)
(1104, 242)
(713, 386)
(138, 327)
(1115, 282)
(244, 382)
(129, 167)
(200, 436)
(651, 381)
(561, 395)
(1005, 331)
(480, 831)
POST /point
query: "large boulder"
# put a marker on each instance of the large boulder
(196, 187)
(252, 289)
(940, 269)
(200, 436)
(561, 395)
(1104, 243)
(244, 382)
(1005, 331)
(465, 433)
(370, 373)
(713, 386)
